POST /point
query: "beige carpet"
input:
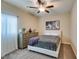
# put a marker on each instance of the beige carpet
(65, 53)
(25, 54)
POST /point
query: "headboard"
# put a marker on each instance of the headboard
(53, 32)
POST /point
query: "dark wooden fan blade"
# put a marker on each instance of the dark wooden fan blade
(47, 11)
(32, 7)
(38, 12)
(50, 6)
(39, 1)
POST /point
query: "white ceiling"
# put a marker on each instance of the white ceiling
(60, 6)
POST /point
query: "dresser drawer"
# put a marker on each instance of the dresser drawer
(24, 46)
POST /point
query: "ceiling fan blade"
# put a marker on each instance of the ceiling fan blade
(32, 7)
(50, 6)
(39, 1)
(38, 12)
(47, 11)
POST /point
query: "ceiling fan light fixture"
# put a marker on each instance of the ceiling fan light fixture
(42, 9)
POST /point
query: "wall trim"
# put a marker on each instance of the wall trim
(74, 49)
(72, 46)
(9, 53)
(66, 43)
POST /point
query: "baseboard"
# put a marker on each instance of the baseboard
(74, 49)
(66, 43)
(2, 57)
(72, 45)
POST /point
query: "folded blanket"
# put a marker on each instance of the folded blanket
(33, 40)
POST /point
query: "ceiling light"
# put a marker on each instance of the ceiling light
(41, 9)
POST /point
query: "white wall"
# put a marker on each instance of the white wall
(64, 25)
(25, 19)
(74, 28)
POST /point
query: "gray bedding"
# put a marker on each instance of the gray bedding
(49, 38)
(48, 42)
(46, 45)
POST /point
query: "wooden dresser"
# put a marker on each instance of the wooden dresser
(24, 39)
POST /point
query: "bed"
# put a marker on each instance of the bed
(46, 44)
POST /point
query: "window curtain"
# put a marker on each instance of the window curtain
(8, 33)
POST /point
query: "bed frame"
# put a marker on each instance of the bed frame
(46, 51)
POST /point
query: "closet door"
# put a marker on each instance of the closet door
(8, 34)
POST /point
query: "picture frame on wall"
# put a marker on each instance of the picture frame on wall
(53, 25)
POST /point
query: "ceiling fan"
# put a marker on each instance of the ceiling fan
(42, 6)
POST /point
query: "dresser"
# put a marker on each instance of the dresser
(23, 39)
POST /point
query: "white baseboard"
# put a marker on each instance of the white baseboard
(74, 49)
(66, 43)
(9, 53)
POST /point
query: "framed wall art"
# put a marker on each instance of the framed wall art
(53, 25)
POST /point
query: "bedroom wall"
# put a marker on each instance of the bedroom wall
(74, 28)
(25, 19)
(64, 25)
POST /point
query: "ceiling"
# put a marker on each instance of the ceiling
(60, 6)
